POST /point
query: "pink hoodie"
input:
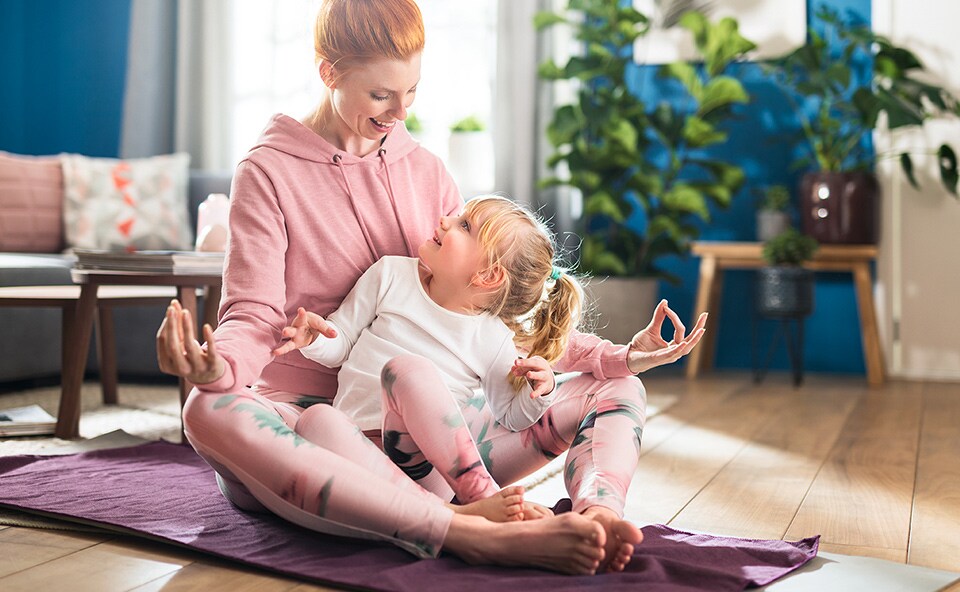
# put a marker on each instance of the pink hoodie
(306, 221)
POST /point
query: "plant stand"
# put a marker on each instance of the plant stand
(791, 329)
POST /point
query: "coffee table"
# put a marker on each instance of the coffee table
(65, 298)
(76, 339)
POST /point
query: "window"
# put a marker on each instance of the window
(274, 71)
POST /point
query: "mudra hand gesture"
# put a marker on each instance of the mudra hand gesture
(306, 327)
(178, 351)
(649, 350)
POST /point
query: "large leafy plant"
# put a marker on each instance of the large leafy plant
(837, 110)
(625, 156)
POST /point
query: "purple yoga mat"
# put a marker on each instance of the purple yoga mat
(166, 491)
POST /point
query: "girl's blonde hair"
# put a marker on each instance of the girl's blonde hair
(541, 304)
(351, 32)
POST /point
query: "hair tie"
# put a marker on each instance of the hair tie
(555, 274)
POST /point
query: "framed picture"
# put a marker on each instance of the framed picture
(776, 26)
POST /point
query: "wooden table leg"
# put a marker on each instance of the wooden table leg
(77, 325)
(107, 352)
(872, 353)
(211, 305)
(188, 298)
(707, 291)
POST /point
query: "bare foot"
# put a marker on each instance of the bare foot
(532, 511)
(504, 506)
(620, 540)
(569, 543)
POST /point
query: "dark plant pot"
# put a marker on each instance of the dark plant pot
(784, 291)
(840, 208)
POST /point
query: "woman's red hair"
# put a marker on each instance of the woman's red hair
(354, 31)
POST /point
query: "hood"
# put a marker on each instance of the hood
(288, 135)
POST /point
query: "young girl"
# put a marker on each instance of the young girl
(434, 330)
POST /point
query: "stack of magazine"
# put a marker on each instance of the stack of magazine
(26, 421)
(172, 262)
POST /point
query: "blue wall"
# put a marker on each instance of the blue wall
(63, 64)
(762, 142)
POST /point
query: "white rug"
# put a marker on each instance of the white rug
(145, 411)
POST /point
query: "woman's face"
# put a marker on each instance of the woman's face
(372, 97)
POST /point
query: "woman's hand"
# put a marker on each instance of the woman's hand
(304, 331)
(649, 350)
(538, 373)
(178, 351)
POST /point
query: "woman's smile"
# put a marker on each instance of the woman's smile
(382, 125)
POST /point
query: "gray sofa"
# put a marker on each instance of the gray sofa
(30, 338)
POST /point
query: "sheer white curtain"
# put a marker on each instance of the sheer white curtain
(178, 81)
(205, 75)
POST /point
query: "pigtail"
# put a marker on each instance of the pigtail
(546, 332)
(556, 318)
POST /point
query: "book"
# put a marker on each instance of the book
(26, 421)
(172, 262)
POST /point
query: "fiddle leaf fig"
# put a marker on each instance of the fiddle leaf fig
(627, 157)
(837, 111)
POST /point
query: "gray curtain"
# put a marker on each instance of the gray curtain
(178, 81)
(524, 106)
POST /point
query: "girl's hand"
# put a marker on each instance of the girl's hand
(538, 373)
(179, 353)
(649, 350)
(304, 331)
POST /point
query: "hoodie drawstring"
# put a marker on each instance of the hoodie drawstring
(338, 160)
(393, 202)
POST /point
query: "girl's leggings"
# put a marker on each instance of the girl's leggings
(309, 464)
(426, 427)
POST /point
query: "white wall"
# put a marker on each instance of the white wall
(919, 269)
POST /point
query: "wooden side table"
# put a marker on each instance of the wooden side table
(65, 298)
(718, 256)
(91, 282)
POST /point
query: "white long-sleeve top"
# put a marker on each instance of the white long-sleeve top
(388, 313)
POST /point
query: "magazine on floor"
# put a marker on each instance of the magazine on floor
(26, 421)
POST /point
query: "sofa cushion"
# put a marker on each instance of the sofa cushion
(23, 269)
(126, 204)
(31, 204)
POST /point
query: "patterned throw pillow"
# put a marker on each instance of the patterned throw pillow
(129, 204)
(31, 204)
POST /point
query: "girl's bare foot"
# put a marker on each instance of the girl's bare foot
(506, 505)
(569, 543)
(532, 511)
(621, 537)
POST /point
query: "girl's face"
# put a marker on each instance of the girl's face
(372, 97)
(454, 254)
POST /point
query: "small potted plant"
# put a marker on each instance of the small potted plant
(772, 215)
(784, 288)
(413, 125)
(470, 156)
(838, 109)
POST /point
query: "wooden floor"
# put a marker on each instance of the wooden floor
(876, 472)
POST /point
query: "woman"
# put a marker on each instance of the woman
(314, 204)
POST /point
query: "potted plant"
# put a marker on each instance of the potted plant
(413, 125)
(839, 198)
(470, 155)
(784, 288)
(772, 212)
(644, 171)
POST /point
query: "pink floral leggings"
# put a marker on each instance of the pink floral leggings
(309, 464)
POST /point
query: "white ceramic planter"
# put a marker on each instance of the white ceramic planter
(470, 160)
(623, 305)
(770, 224)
